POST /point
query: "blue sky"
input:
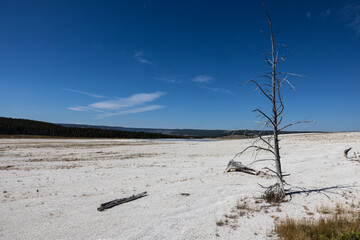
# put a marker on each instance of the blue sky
(176, 64)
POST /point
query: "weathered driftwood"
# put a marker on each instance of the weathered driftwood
(355, 157)
(116, 202)
(346, 152)
(234, 166)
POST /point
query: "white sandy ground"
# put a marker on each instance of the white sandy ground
(51, 188)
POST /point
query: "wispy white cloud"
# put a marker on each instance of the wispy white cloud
(134, 100)
(223, 90)
(308, 14)
(169, 80)
(351, 14)
(203, 82)
(121, 106)
(355, 24)
(139, 55)
(326, 13)
(78, 109)
(202, 79)
(82, 92)
(86, 109)
(129, 111)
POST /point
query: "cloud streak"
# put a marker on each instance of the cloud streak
(139, 55)
(78, 109)
(351, 14)
(355, 24)
(134, 110)
(134, 100)
(82, 92)
(202, 79)
(223, 90)
(135, 103)
(169, 80)
(203, 82)
(326, 13)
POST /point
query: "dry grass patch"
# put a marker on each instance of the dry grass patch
(341, 225)
(243, 208)
(106, 155)
(55, 159)
(66, 166)
(324, 209)
(137, 155)
(6, 167)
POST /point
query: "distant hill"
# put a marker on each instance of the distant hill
(196, 133)
(175, 132)
(11, 126)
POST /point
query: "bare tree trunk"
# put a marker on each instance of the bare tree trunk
(279, 190)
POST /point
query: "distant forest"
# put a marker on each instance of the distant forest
(11, 126)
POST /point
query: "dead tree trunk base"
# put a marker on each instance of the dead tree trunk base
(274, 194)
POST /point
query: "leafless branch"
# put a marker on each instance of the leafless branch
(263, 114)
(281, 118)
(292, 124)
(261, 138)
(268, 61)
(272, 171)
(257, 148)
(265, 76)
(291, 74)
(262, 160)
(288, 82)
(261, 89)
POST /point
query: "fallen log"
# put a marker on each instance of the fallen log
(346, 151)
(116, 202)
(234, 166)
(356, 156)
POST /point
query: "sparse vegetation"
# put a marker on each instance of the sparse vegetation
(341, 225)
(324, 209)
(272, 197)
(241, 205)
(7, 167)
(244, 208)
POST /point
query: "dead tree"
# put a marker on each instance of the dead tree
(270, 85)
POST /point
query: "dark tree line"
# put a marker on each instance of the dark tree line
(10, 126)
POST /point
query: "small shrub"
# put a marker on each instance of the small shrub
(241, 205)
(271, 197)
(242, 213)
(324, 210)
(219, 223)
